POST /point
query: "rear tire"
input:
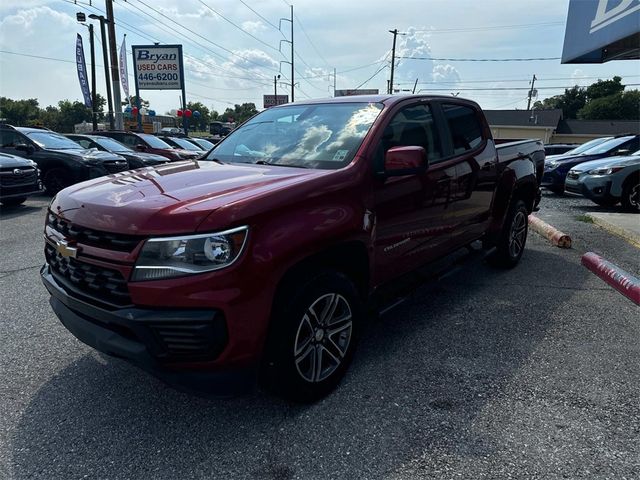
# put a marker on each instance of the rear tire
(13, 202)
(513, 236)
(631, 195)
(55, 180)
(313, 336)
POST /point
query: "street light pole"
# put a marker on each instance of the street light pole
(105, 59)
(94, 106)
(115, 70)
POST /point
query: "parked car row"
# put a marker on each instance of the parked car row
(605, 170)
(33, 159)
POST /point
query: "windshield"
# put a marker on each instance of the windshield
(607, 146)
(186, 144)
(325, 136)
(586, 146)
(154, 142)
(110, 144)
(206, 144)
(53, 141)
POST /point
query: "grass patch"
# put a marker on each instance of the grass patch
(584, 218)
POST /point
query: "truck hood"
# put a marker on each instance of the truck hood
(13, 161)
(172, 198)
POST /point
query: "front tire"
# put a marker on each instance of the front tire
(13, 202)
(55, 180)
(631, 196)
(313, 336)
(513, 236)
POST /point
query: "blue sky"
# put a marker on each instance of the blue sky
(232, 48)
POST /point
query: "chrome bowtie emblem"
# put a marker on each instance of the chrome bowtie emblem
(17, 171)
(66, 250)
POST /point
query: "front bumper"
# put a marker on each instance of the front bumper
(177, 345)
(553, 178)
(594, 188)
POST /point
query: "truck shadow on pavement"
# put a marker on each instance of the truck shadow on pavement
(417, 388)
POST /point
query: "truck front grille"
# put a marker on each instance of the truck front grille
(85, 279)
(95, 238)
(116, 166)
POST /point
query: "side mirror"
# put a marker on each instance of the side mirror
(141, 147)
(23, 147)
(405, 161)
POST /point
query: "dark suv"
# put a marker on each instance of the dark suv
(19, 178)
(144, 142)
(62, 162)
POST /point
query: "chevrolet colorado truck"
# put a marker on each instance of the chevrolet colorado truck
(256, 264)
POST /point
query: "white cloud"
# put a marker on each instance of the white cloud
(446, 74)
(253, 27)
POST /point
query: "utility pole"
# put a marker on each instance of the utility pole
(334, 82)
(293, 83)
(275, 88)
(105, 60)
(94, 106)
(115, 70)
(533, 82)
(393, 58)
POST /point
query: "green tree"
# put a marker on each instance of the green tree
(239, 113)
(619, 106)
(201, 123)
(605, 88)
(19, 112)
(571, 101)
(144, 103)
(72, 113)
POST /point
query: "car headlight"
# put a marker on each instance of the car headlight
(170, 257)
(551, 164)
(604, 171)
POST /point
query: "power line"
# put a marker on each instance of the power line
(509, 88)
(268, 22)
(377, 71)
(311, 42)
(482, 59)
(238, 26)
(458, 82)
(206, 39)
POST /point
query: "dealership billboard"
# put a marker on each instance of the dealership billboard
(158, 67)
(601, 30)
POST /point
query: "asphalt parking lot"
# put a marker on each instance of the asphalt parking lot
(528, 373)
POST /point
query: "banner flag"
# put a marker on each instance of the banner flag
(82, 72)
(124, 74)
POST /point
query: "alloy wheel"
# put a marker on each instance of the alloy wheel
(634, 197)
(518, 234)
(323, 337)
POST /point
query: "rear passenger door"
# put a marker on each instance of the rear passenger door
(471, 149)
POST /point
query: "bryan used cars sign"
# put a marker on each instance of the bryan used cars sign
(602, 30)
(158, 67)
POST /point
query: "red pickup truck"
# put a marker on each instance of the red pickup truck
(258, 262)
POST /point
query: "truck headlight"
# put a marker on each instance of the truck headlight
(551, 164)
(170, 257)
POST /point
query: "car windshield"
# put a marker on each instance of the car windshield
(607, 146)
(53, 141)
(186, 144)
(111, 145)
(206, 144)
(324, 136)
(154, 142)
(586, 146)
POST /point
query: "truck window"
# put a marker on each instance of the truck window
(10, 138)
(464, 127)
(413, 126)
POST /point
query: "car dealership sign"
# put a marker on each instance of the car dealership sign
(158, 67)
(601, 30)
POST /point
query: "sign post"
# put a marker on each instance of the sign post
(158, 67)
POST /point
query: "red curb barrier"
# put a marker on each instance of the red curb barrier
(624, 282)
(552, 234)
